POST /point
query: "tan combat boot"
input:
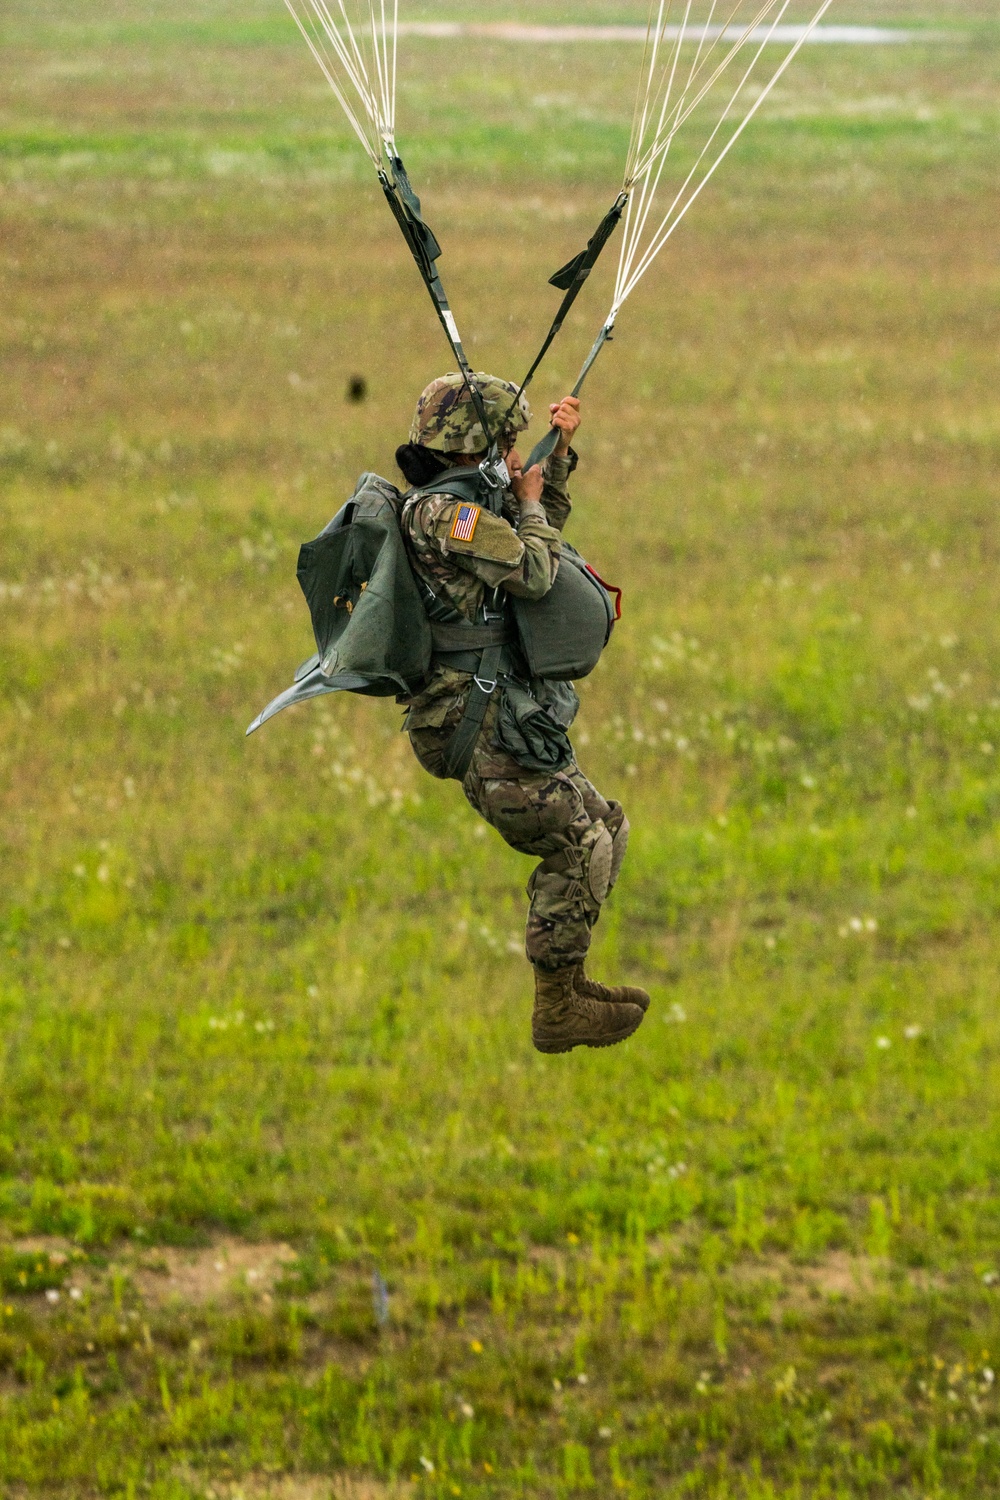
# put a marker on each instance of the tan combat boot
(620, 994)
(564, 1019)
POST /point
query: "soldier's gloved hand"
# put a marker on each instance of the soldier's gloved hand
(525, 486)
(565, 415)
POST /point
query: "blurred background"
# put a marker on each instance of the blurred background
(264, 1004)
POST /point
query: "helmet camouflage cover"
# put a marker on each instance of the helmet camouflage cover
(445, 418)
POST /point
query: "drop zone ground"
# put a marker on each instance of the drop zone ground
(264, 1014)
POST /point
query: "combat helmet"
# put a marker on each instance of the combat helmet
(446, 421)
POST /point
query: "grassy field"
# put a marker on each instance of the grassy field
(264, 1014)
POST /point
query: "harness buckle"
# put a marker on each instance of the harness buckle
(495, 473)
(489, 688)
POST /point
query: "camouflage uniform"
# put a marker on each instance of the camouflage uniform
(559, 817)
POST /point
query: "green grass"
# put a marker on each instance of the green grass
(270, 990)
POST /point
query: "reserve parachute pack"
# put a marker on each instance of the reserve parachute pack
(563, 634)
(371, 624)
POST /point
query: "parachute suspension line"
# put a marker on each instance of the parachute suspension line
(570, 278)
(632, 269)
(668, 96)
(644, 87)
(395, 53)
(657, 151)
(637, 213)
(663, 137)
(651, 178)
(359, 64)
(384, 45)
(654, 125)
(359, 61)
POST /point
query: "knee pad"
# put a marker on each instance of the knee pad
(600, 864)
(581, 873)
(620, 845)
(584, 871)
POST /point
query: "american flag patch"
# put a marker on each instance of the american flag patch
(466, 521)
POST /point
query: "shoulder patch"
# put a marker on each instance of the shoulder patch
(460, 527)
(466, 521)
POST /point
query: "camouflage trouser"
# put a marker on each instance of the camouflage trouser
(580, 837)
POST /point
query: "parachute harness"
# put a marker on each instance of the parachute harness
(684, 60)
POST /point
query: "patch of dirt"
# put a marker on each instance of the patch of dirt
(838, 1275)
(164, 1274)
(54, 1246)
(308, 1487)
(209, 1274)
(231, 1267)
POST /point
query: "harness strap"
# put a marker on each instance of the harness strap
(468, 637)
(458, 752)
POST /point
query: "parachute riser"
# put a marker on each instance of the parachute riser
(570, 279)
(405, 206)
(546, 446)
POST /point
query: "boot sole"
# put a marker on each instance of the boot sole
(608, 1041)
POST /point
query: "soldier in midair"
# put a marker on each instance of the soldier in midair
(470, 563)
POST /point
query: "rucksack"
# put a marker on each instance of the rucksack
(369, 622)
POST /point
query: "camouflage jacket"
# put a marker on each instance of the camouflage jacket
(517, 551)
